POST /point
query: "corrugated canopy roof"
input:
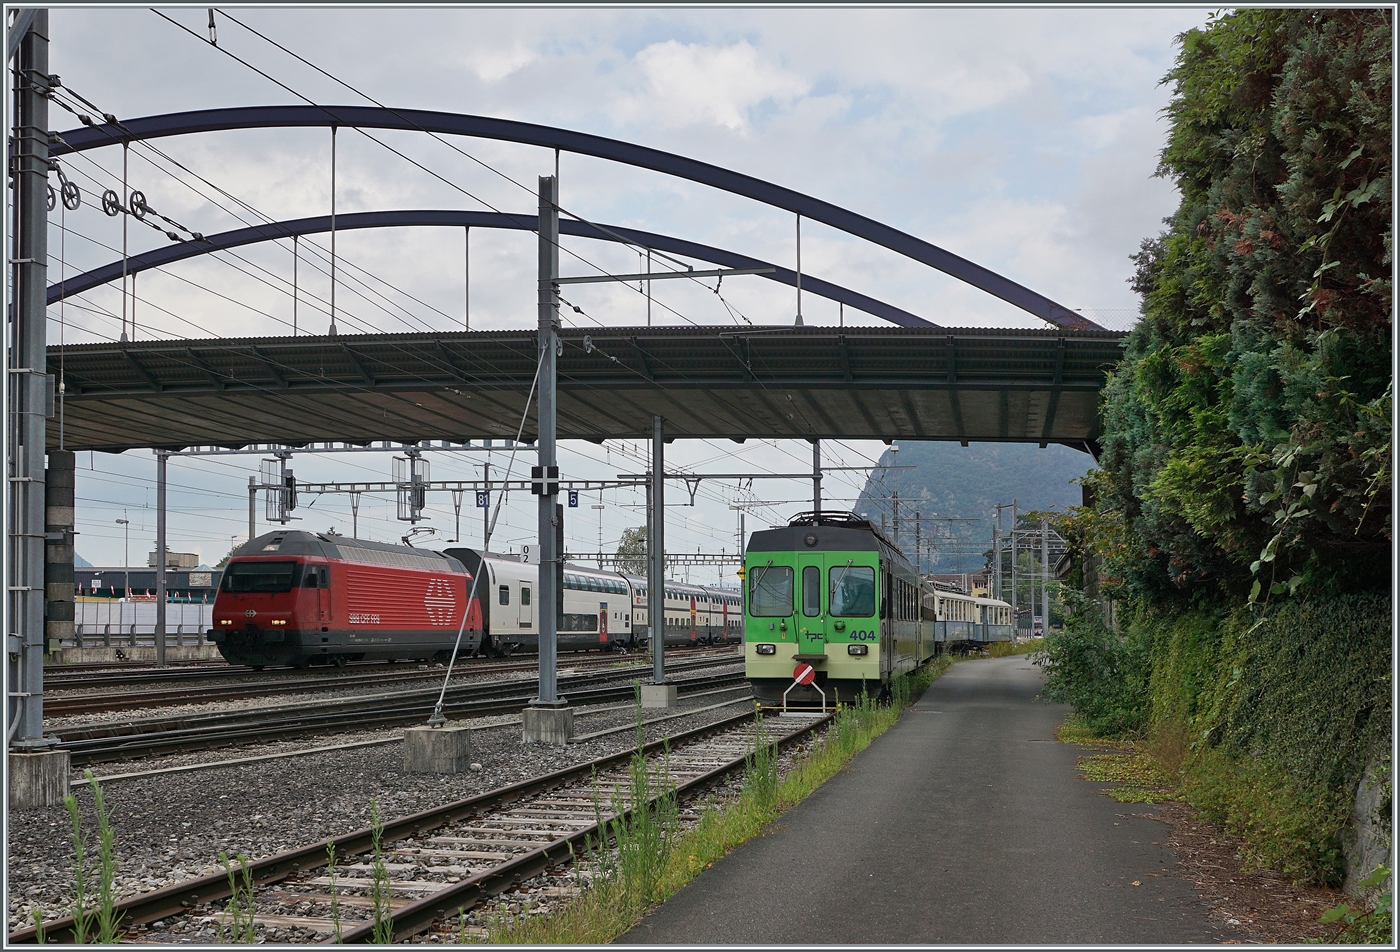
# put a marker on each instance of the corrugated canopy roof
(786, 382)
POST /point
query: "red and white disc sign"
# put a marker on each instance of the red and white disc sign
(804, 674)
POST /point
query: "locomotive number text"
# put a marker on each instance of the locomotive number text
(863, 635)
(363, 618)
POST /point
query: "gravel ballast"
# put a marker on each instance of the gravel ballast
(173, 826)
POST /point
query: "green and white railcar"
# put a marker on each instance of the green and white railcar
(833, 592)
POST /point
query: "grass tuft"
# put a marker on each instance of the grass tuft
(622, 890)
(1006, 649)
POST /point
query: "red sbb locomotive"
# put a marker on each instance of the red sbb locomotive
(298, 598)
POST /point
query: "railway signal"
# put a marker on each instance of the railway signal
(542, 484)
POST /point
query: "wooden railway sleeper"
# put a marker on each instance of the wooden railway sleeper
(465, 894)
(182, 898)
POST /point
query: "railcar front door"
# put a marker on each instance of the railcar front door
(811, 611)
(527, 610)
(324, 594)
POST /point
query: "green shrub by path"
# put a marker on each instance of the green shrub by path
(1373, 923)
(1267, 724)
(612, 904)
(1102, 674)
(1006, 649)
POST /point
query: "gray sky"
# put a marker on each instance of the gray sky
(1023, 139)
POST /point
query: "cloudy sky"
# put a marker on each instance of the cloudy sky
(1023, 139)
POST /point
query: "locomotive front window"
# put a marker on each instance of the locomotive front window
(770, 591)
(262, 577)
(853, 591)
(811, 591)
(309, 579)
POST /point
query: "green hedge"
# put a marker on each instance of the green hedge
(1277, 717)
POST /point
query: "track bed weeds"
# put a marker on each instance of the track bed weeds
(616, 889)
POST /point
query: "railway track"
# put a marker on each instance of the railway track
(449, 858)
(74, 705)
(84, 667)
(325, 676)
(153, 737)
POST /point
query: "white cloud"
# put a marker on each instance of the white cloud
(690, 83)
(494, 65)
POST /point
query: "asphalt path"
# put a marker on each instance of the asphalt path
(965, 823)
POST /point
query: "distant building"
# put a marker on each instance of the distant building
(175, 560)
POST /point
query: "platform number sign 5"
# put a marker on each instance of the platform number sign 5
(573, 498)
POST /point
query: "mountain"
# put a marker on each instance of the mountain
(950, 480)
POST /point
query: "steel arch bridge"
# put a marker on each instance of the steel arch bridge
(274, 231)
(445, 123)
(913, 381)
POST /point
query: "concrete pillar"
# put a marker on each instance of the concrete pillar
(27, 383)
(656, 553)
(548, 720)
(658, 695)
(58, 550)
(438, 750)
(162, 458)
(547, 725)
(39, 779)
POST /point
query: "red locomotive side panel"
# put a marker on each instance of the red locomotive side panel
(399, 599)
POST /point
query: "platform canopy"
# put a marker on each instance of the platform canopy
(1038, 386)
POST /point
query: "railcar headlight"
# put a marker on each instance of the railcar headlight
(279, 621)
(858, 649)
(226, 621)
(765, 649)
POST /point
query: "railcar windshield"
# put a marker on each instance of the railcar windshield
(853, 591)
(263, 577)
(770, 591)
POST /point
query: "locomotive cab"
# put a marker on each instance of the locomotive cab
(271, 610)
(816, 596)
(297, 598)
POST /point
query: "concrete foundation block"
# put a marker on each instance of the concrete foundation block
(38, 780)
(547, 725)
(147, 653)
(439, 750)
(659, 696)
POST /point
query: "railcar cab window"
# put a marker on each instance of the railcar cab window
(770, 591)
(811, 591)
(265, 577)
(504, 596)
(853, 590)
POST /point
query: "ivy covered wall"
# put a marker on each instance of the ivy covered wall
(1247, 430)
(1241, 514)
